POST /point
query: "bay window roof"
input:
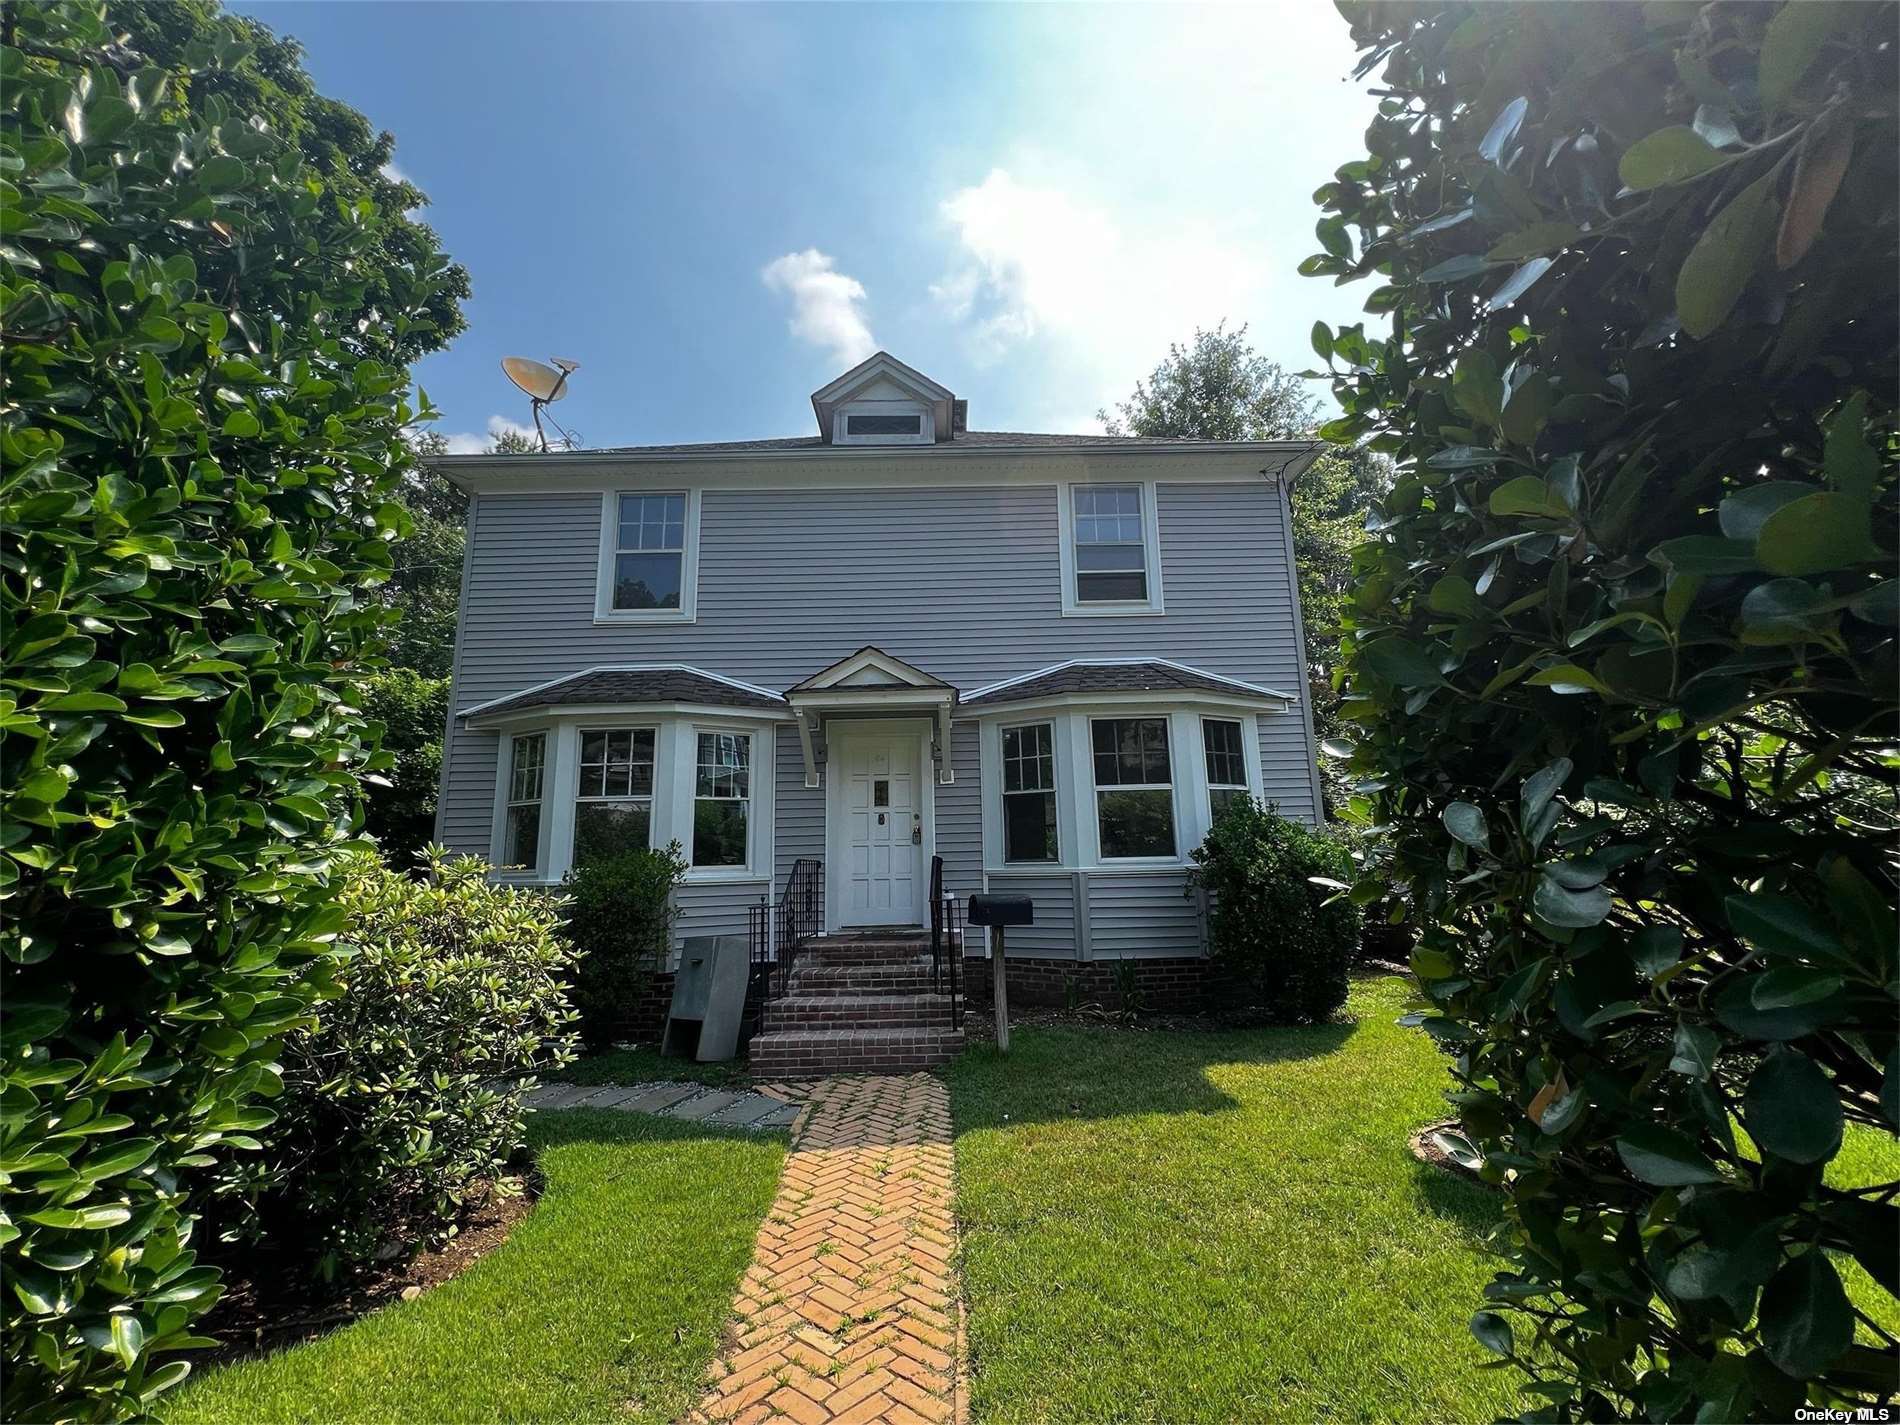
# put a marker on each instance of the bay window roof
(1148, 675)
(631, 687)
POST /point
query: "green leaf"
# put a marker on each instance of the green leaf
(1743, 513)
(1323, 341)
(1402, 663)
(1518, 283)
(1850, 462)
(1663, 1157)
(1705, 554)
(242, 424)
(1466, 823)
(1666, 156)
(1786, 986)
(1493, 1333)
(1477, 387)
(1792, 42)
(1656, 948)
(1695, 1051)
(1780, 925)
(1464, 457)
(1571, 678)
(1533, 241)
(1529, 495)
(1816, 534)
(1718, 268)
(1791, 1108)
(1806, 1322)
(1503, 129)
(1785, 611)
(1735, 1007)
(1456, 269)
(1453, 594)
(1572, 909)
(1527, 411)
(128, 1339)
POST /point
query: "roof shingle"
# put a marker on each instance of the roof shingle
(1153, 677)
(615, 686)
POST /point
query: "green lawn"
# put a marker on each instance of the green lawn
(606, 1303)
(1218, 1227)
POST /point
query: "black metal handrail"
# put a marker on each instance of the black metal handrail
(946, 943)
(779, 932)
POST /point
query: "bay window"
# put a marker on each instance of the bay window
(1029, 793)
(1134, 787)
(1223, 746)
(722, 794)
(613, 802)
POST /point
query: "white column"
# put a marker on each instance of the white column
(559, 783)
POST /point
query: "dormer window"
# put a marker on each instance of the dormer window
(883, 423)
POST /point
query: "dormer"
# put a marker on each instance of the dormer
(881, 401)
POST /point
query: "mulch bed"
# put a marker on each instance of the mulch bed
(1425, 1148)
(269, 1304)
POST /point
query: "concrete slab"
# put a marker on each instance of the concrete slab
(658, 1097)
(701, 1106)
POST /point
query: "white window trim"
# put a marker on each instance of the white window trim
(758, 807)
(675, 752)
(504, 793)
(1170, 730)
(1055, 771)
(604, 610)
(1077, 830)
(926, 422)
(1151, 554)
(1252, 773)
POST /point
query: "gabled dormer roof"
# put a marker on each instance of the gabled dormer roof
(883, 385)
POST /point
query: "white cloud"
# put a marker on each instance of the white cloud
(1036, 262)
(827, 305)
(498, 426)
(393, 173)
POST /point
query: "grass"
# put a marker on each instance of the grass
(1218, 1227)
(605, 1303)
(642, 1063)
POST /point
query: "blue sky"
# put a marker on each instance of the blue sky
(717, 208)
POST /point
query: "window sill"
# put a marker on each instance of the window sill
(646, 616)
(1112, 610)
(724, 876)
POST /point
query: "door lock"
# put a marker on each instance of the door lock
(916, 831)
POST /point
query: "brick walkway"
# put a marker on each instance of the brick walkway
(849, 1310)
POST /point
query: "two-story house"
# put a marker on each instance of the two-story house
(821, 662)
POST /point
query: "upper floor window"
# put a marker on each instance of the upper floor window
(521, 822)
(1134, 787)
(1226, 763)
(1110, 549)
(648, 556)
(1029, 793)
(722, 795)
(613, 802)
(883, 423)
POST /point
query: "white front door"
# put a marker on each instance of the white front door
(878, 870)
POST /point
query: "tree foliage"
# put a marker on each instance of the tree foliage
(200, 453)
(399, 806)
(264, 74)
(1620, 657)
(620, 917)
(1220, 388)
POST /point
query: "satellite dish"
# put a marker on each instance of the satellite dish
(544, 385)
(540, 381)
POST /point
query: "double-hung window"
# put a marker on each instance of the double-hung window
(648, 568)
(722, 794)
(1134, 787)
(1029, 793)
(521, 821)
(1226, 763)
(1109, 544)
(613, 803)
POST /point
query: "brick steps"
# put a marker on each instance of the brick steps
(809, 1053)
(863, 1011)
(861, 1003)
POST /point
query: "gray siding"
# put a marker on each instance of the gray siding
(1052, 894)
(960, 814)
(963, 581)
(714, 909)
(1142, 914)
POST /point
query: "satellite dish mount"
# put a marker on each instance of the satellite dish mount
(544, 384)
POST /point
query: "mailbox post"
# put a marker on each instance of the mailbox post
(995, 912)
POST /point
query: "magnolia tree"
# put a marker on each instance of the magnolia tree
(200, 454)
(1619, 666)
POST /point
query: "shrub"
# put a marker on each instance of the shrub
(1281, 941)
(620, 915)
(1621, 662)
(399, 808)
(410, 1087)
(198, 462)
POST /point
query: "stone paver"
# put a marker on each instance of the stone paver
(849, 1310)
(771, 1106)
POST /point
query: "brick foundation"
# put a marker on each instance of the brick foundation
(1178, 985)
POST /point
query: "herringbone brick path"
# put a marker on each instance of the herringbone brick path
(849, 1310)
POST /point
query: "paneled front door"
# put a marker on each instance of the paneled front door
(877, 845)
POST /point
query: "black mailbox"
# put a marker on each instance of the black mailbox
(1002, 910)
